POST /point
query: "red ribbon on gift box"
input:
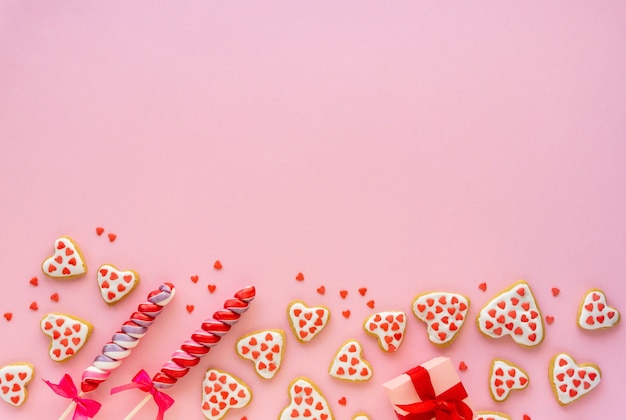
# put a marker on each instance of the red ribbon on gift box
(448, 405)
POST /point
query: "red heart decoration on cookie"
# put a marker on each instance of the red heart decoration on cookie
(68, 335)
(264, 349)
(13, 381)
(504, 378)
(348, 363)
(595, 313)
(444, 314)
(307, 322)
(306, 402)
(115, 284)
(388, 327)
(221, 392)
(66, 262)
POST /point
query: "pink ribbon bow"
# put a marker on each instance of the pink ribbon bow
(85, 408)
(143, 382)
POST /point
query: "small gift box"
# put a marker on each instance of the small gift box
(430, 391)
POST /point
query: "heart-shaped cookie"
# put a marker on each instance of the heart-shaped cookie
(307, 322)
(513, 312)
(360, 416)
(571, 381)
(388, 327)
(68, 335)
(444, 314)
(13, 381)
(306, 402)
(505, 377)
(221, 392)
(491, 415)
(594, 313)
(265, 349)
(115, 284)
(349, 365)
(66, 262)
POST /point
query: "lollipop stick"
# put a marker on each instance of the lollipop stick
(138, 407)
(69, 409)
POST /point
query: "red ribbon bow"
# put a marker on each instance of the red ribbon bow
(144, 383)
(85, 408)
(448, 405)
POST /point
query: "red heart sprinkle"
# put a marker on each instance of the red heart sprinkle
(462, 366)
(342, 401)
(34, 306)
(34, 281)
(321, 290)
(371, 304)
(8, 316)
(54, 297)
(343, 293)
(527, 417)
(300, 277)
(211, 288)
(483, 286)
(112, 237)
(217, 265)
(346, 313)
(194, 278)
(555, 291)
(549, 319)
(363, 291)
(99, 231)
(190, 308)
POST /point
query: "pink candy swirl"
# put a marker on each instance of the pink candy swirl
(211, 332)
(125, 340)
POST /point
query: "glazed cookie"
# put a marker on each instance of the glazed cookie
(349, 365)
(306, 402)
(265, 349)
(67, 333)
(491, 415)
(115, 284)
(307, 322)
(594, 313)
(571, 381)
(360, 416)
(505, 377)
(13, 381)
(66, 262)
(221, 392)
(513, 312)
(388, 327)
(444, 314)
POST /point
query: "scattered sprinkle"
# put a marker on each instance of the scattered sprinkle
(34, 281)
(217, 265)
(211, 288)
(54, 297)
(112, 237)
(342, 401)
(462, 366)
(555, 291)
(483, 287)
(346, 313)
(8, 316)
(321, 290)
(549, 319)
(527, 417)
(343, 294)
(99, 231)
(194, 278)
(363, 291)
(300, 277)
(34, 306)
(371, 303)
(190, 308)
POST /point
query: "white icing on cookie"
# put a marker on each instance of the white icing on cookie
(115, 284)
(571, 381)
(13, 381)
(444, 314)
(221, 392)
(307, 322)
(504, 378)
(490, 415)
(361, 417)
(68, 335)
(265, 349)
(66, 262)
(306, 402)
(349, 364)
(388, 327)
(513, 312)
(595, 313)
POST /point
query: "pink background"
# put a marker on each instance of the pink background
(403, 148)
